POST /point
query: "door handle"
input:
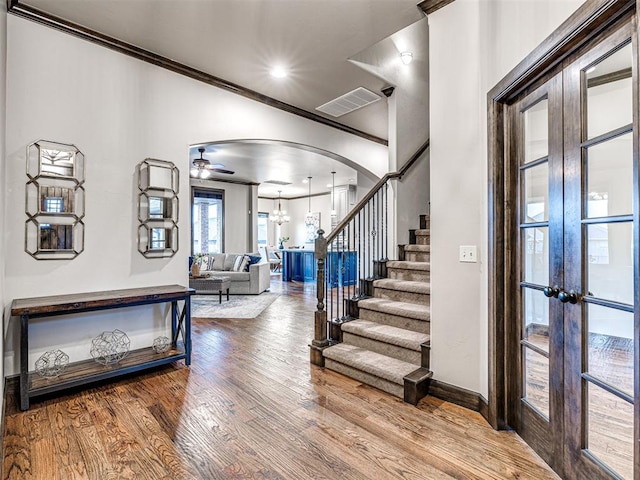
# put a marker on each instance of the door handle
(571, 297)
(551, 291)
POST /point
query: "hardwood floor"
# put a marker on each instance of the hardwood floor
(251, 406)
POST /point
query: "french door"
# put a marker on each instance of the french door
(573, 342)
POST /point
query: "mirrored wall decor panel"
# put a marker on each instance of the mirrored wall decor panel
(158, 175)
(54, 201)
(158, 208)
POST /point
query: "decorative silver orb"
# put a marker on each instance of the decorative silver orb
(161, 344)
(110, 347)
(52, 363)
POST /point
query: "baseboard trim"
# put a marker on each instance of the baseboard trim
(10, 386)
(460, 396)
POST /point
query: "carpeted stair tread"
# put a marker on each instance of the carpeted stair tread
(423, 232)
(403, 285)
(387, 334)
(417, 248)
(406, 265)
(392, 307)
(388, 368)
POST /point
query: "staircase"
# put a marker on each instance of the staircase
(387, 346)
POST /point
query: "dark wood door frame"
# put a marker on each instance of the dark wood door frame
(586, 24)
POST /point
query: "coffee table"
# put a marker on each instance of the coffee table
(211, 285)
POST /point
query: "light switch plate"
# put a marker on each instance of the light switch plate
(468, 253)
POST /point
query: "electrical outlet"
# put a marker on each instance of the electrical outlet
(468, 253)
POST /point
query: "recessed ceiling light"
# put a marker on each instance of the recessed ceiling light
(305, 181)
(278, 72)
(406, 57)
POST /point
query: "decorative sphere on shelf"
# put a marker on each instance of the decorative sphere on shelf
(52, 363)
(110, 347)
(161, 344)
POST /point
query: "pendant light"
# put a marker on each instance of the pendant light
(279, 216)
(333, 195)
(308, 219)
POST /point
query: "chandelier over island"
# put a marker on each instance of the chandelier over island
(279, 216)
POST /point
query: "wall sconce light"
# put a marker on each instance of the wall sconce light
(406, 57)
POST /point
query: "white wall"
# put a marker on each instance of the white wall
(408, 119)
(412, 190)
(3, 78)
(473, 44)
(118, 111)
(297, 209)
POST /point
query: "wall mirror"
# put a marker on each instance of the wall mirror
(52, 159)
(54, 200)
(158, 175)
(157, 208)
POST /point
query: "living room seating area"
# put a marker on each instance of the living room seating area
(247, 272)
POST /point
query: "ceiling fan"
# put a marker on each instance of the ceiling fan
(203, 168)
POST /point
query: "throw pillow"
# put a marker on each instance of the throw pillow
(240, 263)
(204, 263)
(218, 262)
(252, 259)
(229, 261)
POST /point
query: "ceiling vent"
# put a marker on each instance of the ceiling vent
(277, 182)
(358, 98)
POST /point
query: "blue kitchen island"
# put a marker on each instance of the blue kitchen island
(300, 265)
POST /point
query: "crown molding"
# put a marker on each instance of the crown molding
(430, 6)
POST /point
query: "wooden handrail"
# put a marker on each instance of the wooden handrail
(388, 176)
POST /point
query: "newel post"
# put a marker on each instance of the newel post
(320, 341)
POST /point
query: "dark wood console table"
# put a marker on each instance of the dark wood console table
(87, 371)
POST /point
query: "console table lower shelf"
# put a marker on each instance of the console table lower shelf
(89, 371)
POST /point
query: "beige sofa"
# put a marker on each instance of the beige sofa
(253, 281)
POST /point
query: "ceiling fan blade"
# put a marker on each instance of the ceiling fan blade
(222, 170)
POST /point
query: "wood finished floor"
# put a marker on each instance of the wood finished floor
(251, 406)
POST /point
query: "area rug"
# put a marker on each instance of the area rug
(238, 306)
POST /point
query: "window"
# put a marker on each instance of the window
(263, 228)
(207, 221)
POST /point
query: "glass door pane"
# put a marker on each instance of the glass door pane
(536, 131)
(534, 219)
(608, 93)
(599, 225)
(537, 119)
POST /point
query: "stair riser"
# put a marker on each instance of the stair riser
(382, 348)
(413, 275)
(423, 239)
(380, 383)
(417, 256)
(409, 297)
(396, 321)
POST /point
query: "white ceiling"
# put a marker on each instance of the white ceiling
(239, 41)
(261, 161)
